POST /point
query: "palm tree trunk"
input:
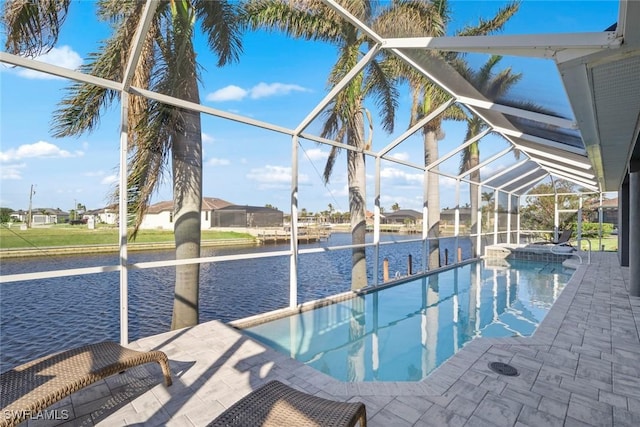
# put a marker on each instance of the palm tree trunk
(357, 205)
(433, 197)
(187, 196)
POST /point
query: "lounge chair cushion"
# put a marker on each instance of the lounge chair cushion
(27, 389)
(278, 405)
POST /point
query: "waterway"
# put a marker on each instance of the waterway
(42, 316)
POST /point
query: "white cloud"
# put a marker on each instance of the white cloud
(207, 139)
(110, 179)
(490, 170)
(218, 162)
(316, 154)
(398, 177)
(261, 90)
(12, 172)
(401, 156)
(274, 177)
(229, 93)
(40, 149)
(340, 192)
(63, 56)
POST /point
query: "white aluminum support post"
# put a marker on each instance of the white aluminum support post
(122, 220)
(132, 62)
(518, 221)
(509, 218)
(456, 224)
(600, 221)
(579, 219)
(293, 257)
(556, 217)
(425, 221)
(376, 224)
(496, 193)
(479, 223)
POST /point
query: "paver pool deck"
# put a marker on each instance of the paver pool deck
(580, 368)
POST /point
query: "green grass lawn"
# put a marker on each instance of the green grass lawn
(610, 243)
(74, 235)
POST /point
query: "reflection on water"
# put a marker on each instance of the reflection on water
(404, 332)
(39, 317)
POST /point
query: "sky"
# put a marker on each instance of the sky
(277, 80)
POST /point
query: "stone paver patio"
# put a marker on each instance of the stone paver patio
(581, 368)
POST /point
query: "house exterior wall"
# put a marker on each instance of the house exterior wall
(243, 219)
(162, 220)
(206, 219)
(108, 217)
(44, 219)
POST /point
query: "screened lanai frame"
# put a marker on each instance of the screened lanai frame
(542, 157)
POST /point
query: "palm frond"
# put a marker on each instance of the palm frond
(492, 25)
(309, 20)
(385, 93)
(501, 84)
(328, 167)
(32, 27)
(79, 110)
(482, 78)
(410, 18)
(331, 124)
(221, 25)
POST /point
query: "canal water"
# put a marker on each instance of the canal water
(42, 316)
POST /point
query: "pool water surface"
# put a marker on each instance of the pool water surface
(404, 332)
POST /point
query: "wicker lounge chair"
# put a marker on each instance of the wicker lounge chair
(564, 238)
(27, 389)
(278, 405)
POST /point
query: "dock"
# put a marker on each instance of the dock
(283, 236)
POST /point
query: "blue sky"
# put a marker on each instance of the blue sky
(277, 80)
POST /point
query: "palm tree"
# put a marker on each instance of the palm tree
(157, 133)
(493, 86)
(345, 116)
(486, 197)
(427, 97)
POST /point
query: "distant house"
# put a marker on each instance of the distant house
(247, 217)
(609, 211)
(106, 215)
(448, 216)
(19, 216)
(42, 216)
(403, 216)
(160, 215)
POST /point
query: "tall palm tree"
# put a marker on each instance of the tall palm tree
(427, 97)
(487, 197)
(158, 134)
(345, 116)
(493, 86)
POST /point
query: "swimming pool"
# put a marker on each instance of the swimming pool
(403, 332)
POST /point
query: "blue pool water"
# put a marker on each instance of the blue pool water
(403, 332)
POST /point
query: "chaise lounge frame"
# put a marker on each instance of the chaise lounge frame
(278, 405)
(29, 388)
